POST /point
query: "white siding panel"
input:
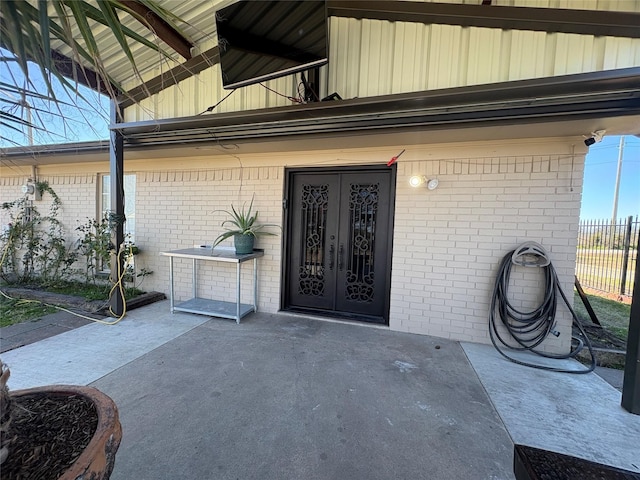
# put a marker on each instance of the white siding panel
(347, 36)
(208, 88)
(376, 61)
(574, 54)
(606, 5)
(527, 55)
(408, 58)
(194, 95)
(182, 101)
(599, 45)
(621, 52)
(444, 45)
(147, 109)
(165, 104)
(485, 52)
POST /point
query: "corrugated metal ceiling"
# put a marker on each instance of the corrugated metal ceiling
(200, 29)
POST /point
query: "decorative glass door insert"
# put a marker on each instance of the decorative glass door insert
(339, 242)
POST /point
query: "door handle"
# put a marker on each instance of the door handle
(340, 252)
(332, 253)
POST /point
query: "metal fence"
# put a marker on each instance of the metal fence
(607, 252)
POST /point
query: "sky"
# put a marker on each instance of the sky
(86, 115)
(600, 179)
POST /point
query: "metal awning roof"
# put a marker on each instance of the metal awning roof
(564, 98)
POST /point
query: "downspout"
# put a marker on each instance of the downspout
(116, 216)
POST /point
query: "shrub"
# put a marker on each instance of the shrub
(34, 249)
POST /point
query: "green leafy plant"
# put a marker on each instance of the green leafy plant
(16, 310)
(95, 246)
(133, 275)
(243, 221)
(34, 247)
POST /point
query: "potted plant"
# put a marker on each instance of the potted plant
(62, 431)
(244, 228)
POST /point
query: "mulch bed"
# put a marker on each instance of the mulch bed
(626, 299)
(601, 338)
(609, 349)
(49, 433)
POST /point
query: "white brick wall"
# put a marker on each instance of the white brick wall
(180, 209)
(10, 190)
(77, 193)
(447, 242)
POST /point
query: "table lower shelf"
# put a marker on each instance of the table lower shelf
(214, 308)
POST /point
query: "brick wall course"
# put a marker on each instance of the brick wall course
(447, 242)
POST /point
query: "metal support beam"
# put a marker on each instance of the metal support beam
(177, 74)
(583, 22)
(83, 75)
(162, 29)
(116, 171)
(631, 383)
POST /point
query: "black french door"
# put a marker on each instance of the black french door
(339, 243)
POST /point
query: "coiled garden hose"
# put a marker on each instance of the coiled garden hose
(530, 328)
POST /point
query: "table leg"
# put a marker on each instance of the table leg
(194, 278)
(238, 293)
(171, 284)
(255, 284)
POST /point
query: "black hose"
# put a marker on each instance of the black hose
(530, 328)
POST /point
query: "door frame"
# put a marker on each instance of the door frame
(286, 233)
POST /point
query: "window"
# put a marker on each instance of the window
(129, 204)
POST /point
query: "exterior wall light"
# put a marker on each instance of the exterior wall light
(418, 180)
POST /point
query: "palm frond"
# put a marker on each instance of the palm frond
(28, 30)
(8, 120)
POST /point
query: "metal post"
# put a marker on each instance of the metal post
(255, 284)
(631, 383)
(625, 255)
(194, 279)
(238, 292)
(171, 283)
(116, 167)
(614, 213)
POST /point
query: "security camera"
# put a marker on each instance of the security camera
(594, 138)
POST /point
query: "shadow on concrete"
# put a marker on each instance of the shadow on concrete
(288, 397)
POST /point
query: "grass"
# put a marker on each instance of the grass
(17, 311)
(90, 291)
(602, 269)
(613, 315)
(14, 311)
(85, 290)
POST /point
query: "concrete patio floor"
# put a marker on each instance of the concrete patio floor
(288, 397)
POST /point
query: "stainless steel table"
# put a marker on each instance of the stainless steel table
(215, 308)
